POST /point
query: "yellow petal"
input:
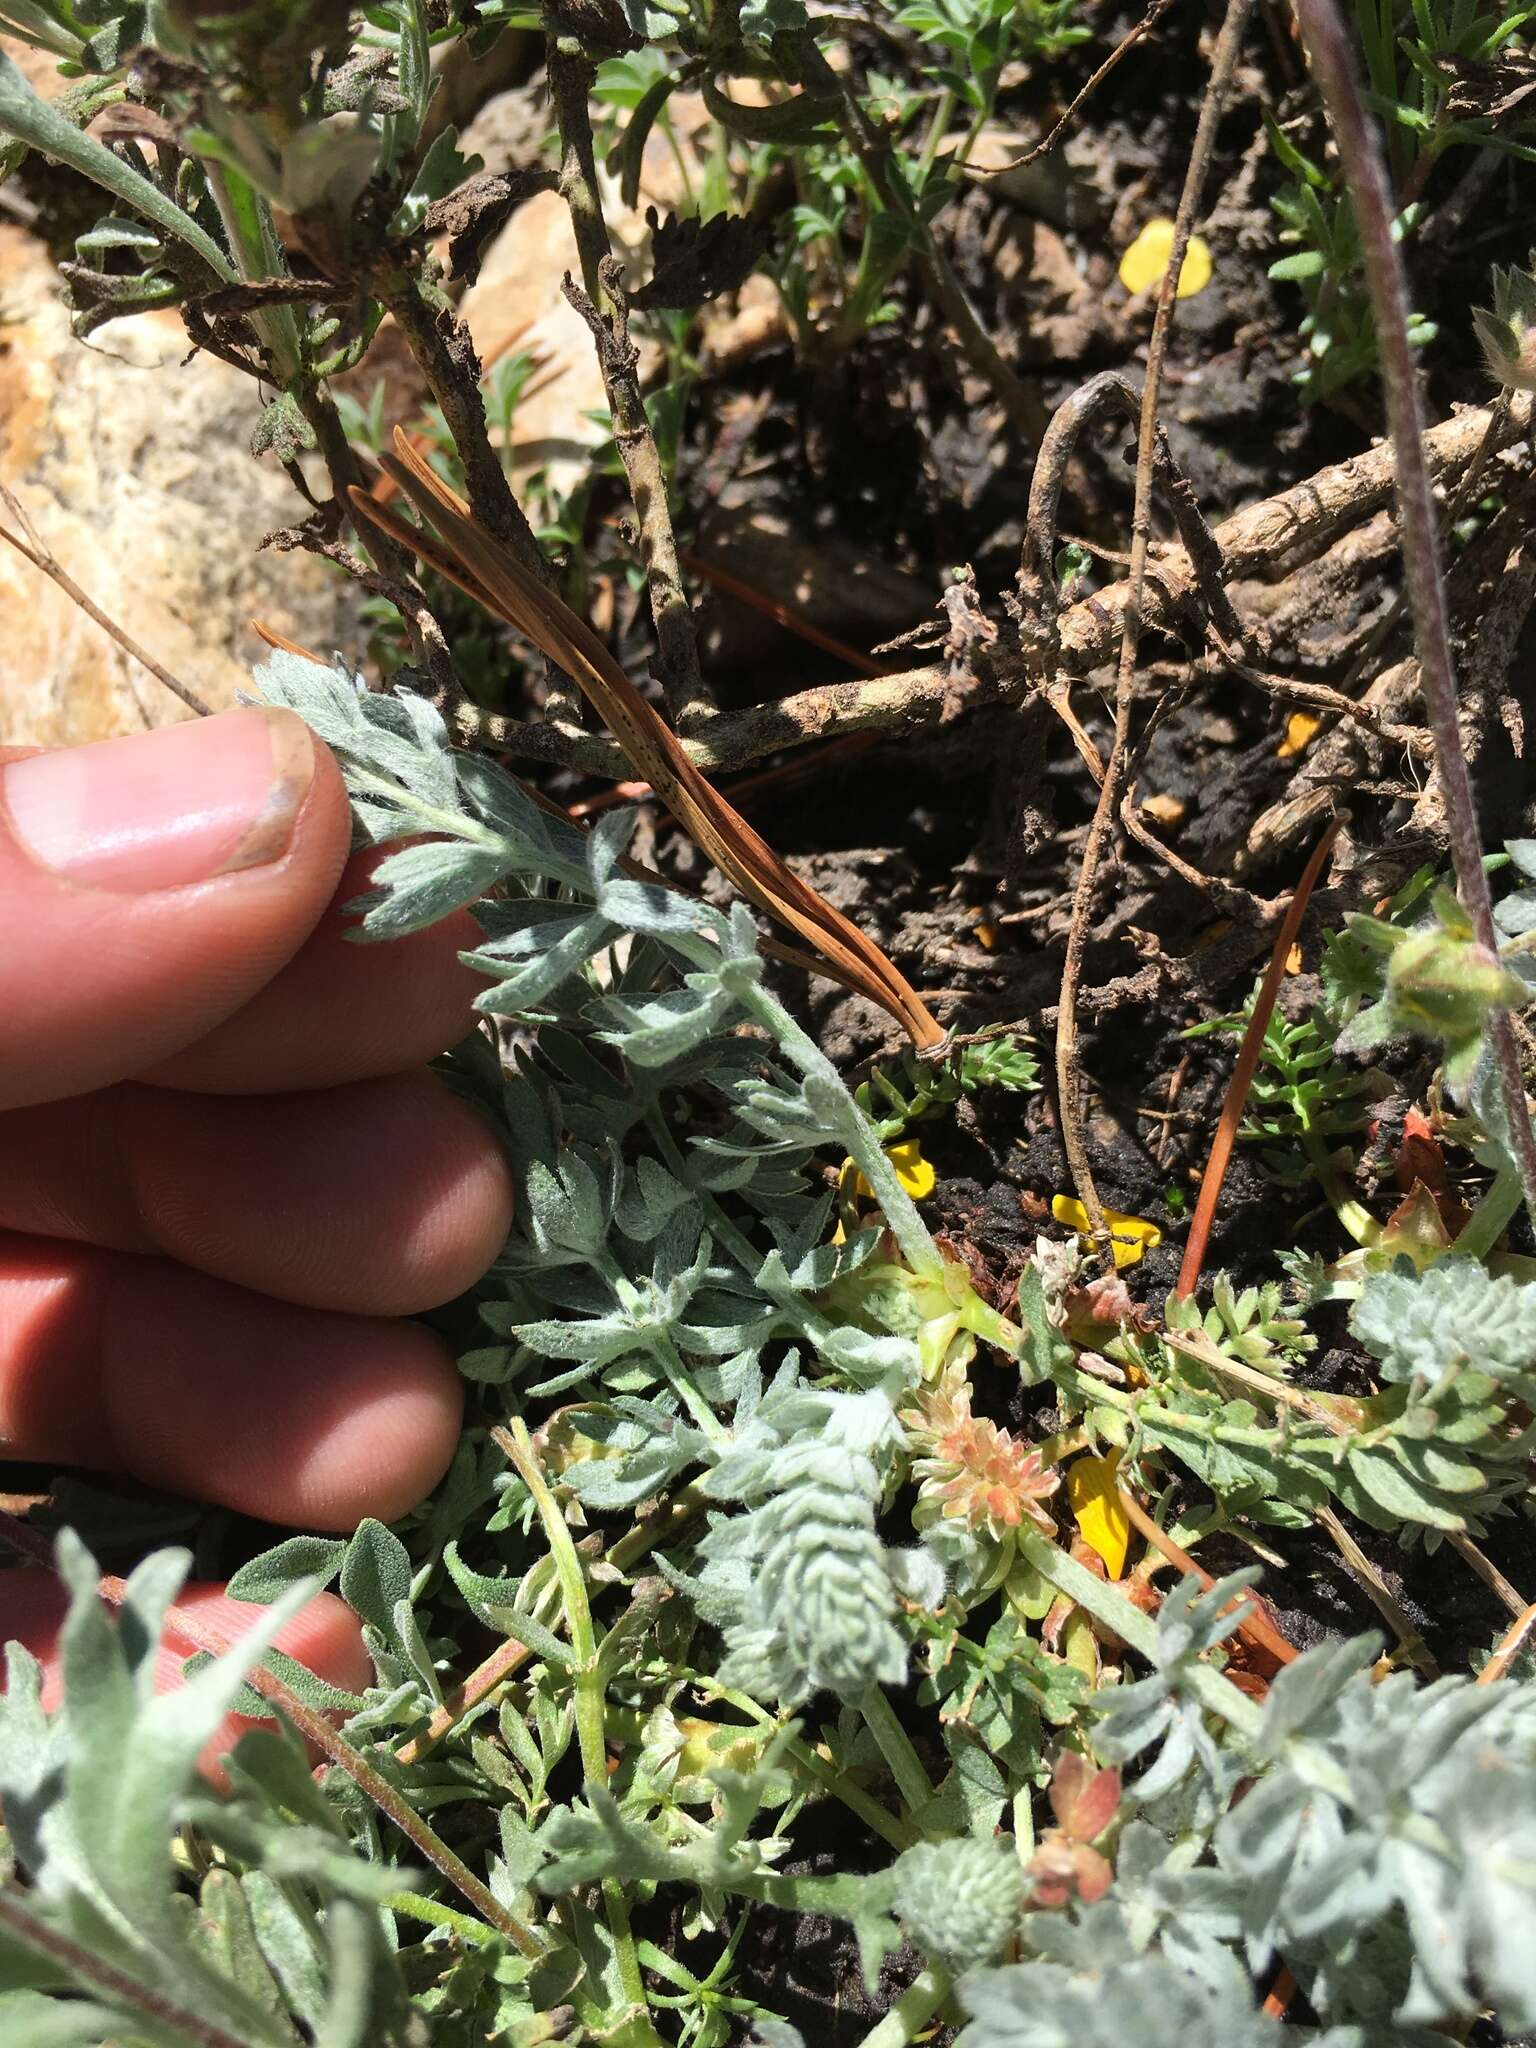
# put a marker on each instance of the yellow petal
(1130, 1236)
(1299, 728)
(1144, 264)
(912, 1169)
(1101, 1518)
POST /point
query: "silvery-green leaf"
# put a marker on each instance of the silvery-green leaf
(422, 884)
(654, 1032)
(376, 1576)
(265, 1578)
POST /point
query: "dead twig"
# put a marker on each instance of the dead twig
(1365, 173)
(1069, 1075)
(1307, 516)
(602, 304)
(1379, 1593)
(1250, 1618)
(37, 551)
(1127, 43)
(1486, 1570)
(1511, 1643)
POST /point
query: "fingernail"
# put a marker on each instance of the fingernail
(157, 810)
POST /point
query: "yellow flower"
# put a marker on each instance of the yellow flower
(1102, 1522)
(1299, 728)
(912, 1170)
(1145, 263)
(1130, 1236)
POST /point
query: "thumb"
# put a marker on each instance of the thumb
(152, 885)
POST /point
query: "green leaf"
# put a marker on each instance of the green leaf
(32, 120)
(375, 1575)
(269, 1576)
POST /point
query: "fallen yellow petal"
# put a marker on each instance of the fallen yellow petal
(1145, 263)
(1130, 1236)
(1100, 1514)
(912, 1170)
(1299, 728)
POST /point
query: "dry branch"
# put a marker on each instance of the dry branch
(1276, 533)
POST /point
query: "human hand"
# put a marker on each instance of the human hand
(223, 1174)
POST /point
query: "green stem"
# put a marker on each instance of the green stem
(1108, 1604)
(816, 1767)
(248, 224)
(587, 1680)
(912, 2011)
(1486, 1225)
(432, 1913)
(895, 1745)
(1356, 1219)
(849, 1123)
(680, 1381)
(943, 111)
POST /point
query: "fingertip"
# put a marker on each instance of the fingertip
(298, 1416)
(157, 880)
(384, 1454)
(383, 1197)
(341, 1010)
(294, 1415)
(325, 1636)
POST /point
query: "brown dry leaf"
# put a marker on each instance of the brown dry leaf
(486, 571)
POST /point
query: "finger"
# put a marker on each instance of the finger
(293, 1415)
(340, 1011)
(152, 884)
(388, 1196)
(324, 1636)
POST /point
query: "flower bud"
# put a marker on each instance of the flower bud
(1508, 332)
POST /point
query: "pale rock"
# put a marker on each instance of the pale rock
(137, 472)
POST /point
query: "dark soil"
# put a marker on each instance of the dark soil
(958, 850)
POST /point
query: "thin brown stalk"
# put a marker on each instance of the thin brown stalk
(1277, 2002)
(1250, 1618)
(1379, 1593)
(1511, 1643)
(602, 304)
(1365, 174)
(315, 1728)
(1486, 1570)
(1100, 832)
(784, 615)
(36, 550)
(445, 355)
(1236, 1099)
(1123, 48)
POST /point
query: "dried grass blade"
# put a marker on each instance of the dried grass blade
(485, 570)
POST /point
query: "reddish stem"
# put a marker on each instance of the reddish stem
(1242, 1074)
